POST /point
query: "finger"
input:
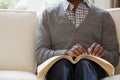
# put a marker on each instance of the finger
(73, 54)
(74, 49)
(82, 50)
(101, 52)
(89, 50)
(96, 50)
(76, 45)
(92, 48)
(76, 52)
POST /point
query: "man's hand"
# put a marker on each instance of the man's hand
(96, 50)
(76, 50)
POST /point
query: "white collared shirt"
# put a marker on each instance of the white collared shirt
(79, 15)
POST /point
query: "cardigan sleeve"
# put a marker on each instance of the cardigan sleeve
(43, 44)
(109, 39)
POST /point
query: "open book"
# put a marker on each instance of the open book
(44, 67)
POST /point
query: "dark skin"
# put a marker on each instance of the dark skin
(95, 49)
(75, 3)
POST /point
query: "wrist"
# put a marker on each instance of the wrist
(67, 53)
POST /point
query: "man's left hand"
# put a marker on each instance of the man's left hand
(96, 50)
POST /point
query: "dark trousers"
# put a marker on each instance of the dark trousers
(83, 70)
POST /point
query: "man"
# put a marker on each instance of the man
(76, 27)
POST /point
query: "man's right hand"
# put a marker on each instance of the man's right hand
(76, 50)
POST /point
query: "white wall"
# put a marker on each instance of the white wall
(35, 5)
(38, 6)
(103, 3)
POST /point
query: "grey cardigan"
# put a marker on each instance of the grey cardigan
(56, 33)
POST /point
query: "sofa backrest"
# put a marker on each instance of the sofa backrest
(115, 13)
(17, 37)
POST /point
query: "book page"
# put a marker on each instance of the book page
(44, 67)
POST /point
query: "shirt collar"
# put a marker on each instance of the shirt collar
(66, 4)
(88, 3)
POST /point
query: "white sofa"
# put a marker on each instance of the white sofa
(17, 37)
(115, 13)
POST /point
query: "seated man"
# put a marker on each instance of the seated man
(76, 27)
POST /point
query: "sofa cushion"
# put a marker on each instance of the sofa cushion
(17, 75)
(116, 77)
(17, 34)
(115, 13)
